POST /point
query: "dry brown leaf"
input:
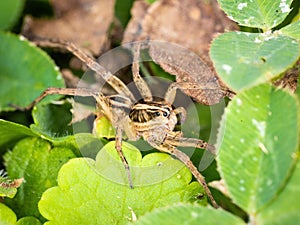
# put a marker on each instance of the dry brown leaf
(191, 24)
(83, 22)
(188, 67)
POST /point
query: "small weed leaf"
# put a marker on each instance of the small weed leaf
(7, 216)
(36, 161)
(86, 197)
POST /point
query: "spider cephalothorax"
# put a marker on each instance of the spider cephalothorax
(152, 118)
(145, 112)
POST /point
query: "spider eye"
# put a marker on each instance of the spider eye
(165, 114)
(157, 113)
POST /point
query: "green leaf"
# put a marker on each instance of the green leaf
(292, 30)
(257, 143)
(88, 192)
(82, 144)
(12, 132)
(7, 216)
(103, 128)
(285, 208)
(28, 220)
(152, 169)
(38, 163)
(260, 13)
(122, 11)
(245, 59)
(25, 72)
(10, 12)
(151, 1)
(52, 119)
(188, 215)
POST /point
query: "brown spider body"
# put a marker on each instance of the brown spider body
(151, 118)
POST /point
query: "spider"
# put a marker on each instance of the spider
(150, 118)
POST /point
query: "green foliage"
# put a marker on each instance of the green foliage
(188, 214)
(52, 119)
(292, 30)
(10, 12)
(122, 11)
(260, 13)
(244, 59)
(28, 220)
(256, 162)
(252, 58)
(81, 175)
(25, 70)
(103, 128)
(7, 216)
(11, 132)
(285, 208)
(83, 186)
(34, 156)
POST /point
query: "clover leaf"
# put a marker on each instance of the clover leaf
(189, 215)
(257, 161)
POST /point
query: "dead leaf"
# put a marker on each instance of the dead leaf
(188, 67)
(83, 22)
(191, 24)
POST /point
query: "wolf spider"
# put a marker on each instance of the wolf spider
(152, 119)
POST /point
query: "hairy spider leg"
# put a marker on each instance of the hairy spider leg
(112, 80)
(61, 91)
(168, 148)
(180, 141)
(171, 92)
(118, 108)
(169, 143)
(104, 104)
(118, 146)
(101, 100)
(121, 88)
(138, 80)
